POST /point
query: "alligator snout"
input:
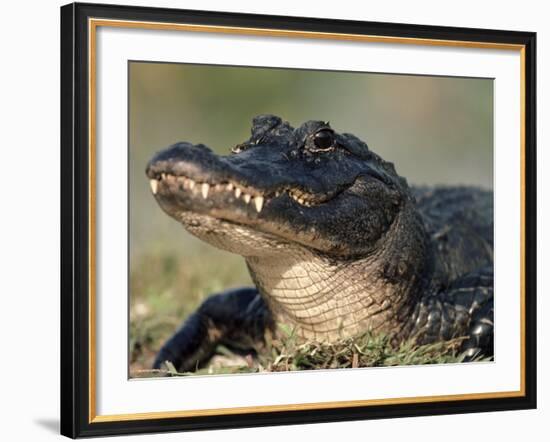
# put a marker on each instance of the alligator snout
(185, 159)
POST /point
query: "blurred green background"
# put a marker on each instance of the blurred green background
(436, 130)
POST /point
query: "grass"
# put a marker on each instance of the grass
(166, 288)
(157, 308)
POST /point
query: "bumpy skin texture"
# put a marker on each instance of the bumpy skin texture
(336, 242)
(459, 223)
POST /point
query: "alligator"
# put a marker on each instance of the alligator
(336, 242)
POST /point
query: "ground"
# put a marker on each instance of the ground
(166, 287)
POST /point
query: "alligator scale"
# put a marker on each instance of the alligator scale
(336, 242)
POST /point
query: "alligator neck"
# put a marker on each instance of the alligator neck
(326, 299)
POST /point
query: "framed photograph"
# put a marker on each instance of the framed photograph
(274, 220)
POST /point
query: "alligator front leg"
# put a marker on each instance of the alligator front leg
(464, 309)
(238, 318)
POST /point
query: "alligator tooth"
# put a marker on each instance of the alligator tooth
(247, 198)
(191, 184)
(154, 186)
(259, 202)
(204, 190)
(229, 186)
(163, 176)
(300, 200)
(238, 192)
(218, 187)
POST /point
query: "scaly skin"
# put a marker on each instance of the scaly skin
(336, 243)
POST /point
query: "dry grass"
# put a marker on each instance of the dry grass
(289, 354)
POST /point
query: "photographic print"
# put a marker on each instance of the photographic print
(287, 219)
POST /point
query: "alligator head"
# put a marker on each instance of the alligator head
(324, 223)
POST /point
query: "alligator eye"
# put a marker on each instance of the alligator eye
(324, 139)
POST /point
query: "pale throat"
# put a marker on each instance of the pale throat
(326, 300)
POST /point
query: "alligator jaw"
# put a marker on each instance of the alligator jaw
(206, 206)
(198, 193)
(232, 191)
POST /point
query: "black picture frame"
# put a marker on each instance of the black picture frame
(75, 221)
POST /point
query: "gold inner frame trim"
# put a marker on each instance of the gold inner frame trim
(93, 24)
